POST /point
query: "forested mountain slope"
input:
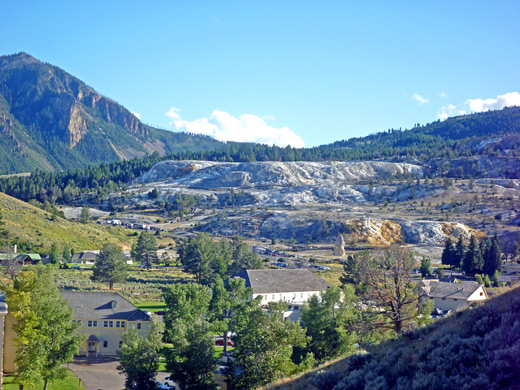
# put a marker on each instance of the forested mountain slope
(51, 120)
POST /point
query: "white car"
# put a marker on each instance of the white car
(168, 381)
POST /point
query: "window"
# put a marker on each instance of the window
(455, 300)
(443, 298)
(110, 324)
(105, 344)
(105, 324)
(123, 324)
(118, 324)
(481, 293)
(92, 324)
(138, 325)
(120, 343)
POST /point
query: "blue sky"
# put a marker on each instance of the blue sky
(298, 72)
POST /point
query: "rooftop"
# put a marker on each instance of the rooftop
(457, 290)
(268, 281)
(103, 306)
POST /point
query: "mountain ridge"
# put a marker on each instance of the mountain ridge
(51, 120)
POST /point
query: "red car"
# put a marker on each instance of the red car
(220, 342)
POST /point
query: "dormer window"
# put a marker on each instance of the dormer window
(113, 304)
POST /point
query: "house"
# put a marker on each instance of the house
(104, 317)
(22, 258)
(510, 274)
(292, 286)
(89, 257)
(451, 296)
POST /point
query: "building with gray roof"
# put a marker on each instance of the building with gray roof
(292, 286)
(451, 295)
(104, 317)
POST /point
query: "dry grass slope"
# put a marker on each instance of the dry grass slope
(476, 346)
(27, 223)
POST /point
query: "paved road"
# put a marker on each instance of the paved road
(98, 373)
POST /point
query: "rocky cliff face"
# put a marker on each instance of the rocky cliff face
(305, 201)
(206, 174)
(59, 122)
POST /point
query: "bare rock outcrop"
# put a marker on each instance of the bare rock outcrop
(339, 248)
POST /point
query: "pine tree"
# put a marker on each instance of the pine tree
(449, 254)
(460, 253)
(493, 260)
(473, 261)
(110, 265)
(146, 249)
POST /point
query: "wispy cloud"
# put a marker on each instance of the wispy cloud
(443, 95)
(246, 128)
(418, 98)
(450, 110)
(501, 101)
(173, 113)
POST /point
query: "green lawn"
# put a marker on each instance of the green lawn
(71, 382)
(152, 306)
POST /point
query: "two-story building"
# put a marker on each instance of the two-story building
(292, 286)
(104, 317)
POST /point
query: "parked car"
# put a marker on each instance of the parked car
(221, 343)
(162, 386)
(168, 381)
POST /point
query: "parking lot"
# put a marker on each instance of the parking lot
(98, 373)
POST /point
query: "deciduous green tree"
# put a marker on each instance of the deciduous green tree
(139, 357)
(46, 334)
(66, 252)
(54, 255)
(110, 266)
(264, 346)
(84, 216)
(191, 360)
(328, 322)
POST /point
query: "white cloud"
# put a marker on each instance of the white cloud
(420, 99)
(173, 113)
(443, 95)
(246, 128)
(447, 111)
(501, 101)
(137, 115)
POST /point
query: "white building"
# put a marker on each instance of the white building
(292, 286)
(451, 295)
